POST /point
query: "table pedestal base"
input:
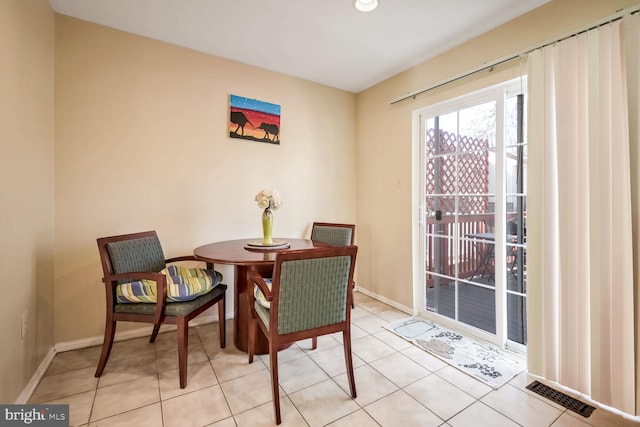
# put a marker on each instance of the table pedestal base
(242, 311)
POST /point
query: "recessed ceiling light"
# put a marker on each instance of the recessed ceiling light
(365, 5)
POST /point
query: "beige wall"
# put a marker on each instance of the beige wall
(142, 143)
(386, 209)
(26, 191)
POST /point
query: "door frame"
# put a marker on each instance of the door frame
(419, 221)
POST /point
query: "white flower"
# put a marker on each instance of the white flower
(269, 198)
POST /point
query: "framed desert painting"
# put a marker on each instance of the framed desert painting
(254, 120)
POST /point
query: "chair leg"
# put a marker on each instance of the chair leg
(183, 346)
(353, 303)
(222, 326)
(253, 323)
(275, 387)
(154, 334)
(314, 343)
(109, 333)
(346, 338)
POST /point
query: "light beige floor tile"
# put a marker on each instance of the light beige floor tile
(399, 369)
(324, 342)
(227, 422)
(169, 340)
(214, 350)
(566, 420)
(109, 400)
(332, 360)
(521, 407)
(147, 416)
(323, 403)
(361, 298)
(359, 312)
(53, 387)
(393, 315)
(286, 355)
(603, 418)
(371, 385)
(210, 331)
(168, 360)
(230, 366)
(356, 419)
(370, 348)
(199, 375)
(393, 340)
(70, 380)
(248, 392)
(480, 414)
(373, 306)
(424, 358)
(439, 396)
(400, 409)
(118, 371)
(137, 347)
(300, 373)
(264, 415)
(73, 360)
(79, 407)
(522, 380)
(356, 333)
(195, 409)
(371, 324)
(469, 384)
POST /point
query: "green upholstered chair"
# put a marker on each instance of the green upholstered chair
(310, 296)
(334, 234)
(139, 258)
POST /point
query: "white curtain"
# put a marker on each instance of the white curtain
(580, 249)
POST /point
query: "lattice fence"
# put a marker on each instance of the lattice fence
(473, 173)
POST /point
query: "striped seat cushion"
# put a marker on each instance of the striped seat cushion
(260, 296)
(183, 284)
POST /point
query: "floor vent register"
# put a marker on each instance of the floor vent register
(561, 399)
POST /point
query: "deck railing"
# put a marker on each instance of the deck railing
(440, 251)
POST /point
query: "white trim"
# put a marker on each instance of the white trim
(97, 340)
(583, 397)
(133, 333)
(387, 301)
(37, 376)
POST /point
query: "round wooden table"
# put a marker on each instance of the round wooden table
(233, 252)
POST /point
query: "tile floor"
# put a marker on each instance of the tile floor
(397, 384)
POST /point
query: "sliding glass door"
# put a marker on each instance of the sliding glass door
(473, 210)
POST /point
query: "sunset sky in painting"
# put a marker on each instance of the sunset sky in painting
(257, 112)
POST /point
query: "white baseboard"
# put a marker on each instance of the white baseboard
(387, 301)
(133, 333)
(97, 340)
(37, 376)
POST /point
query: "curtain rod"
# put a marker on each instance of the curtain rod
(616, 16)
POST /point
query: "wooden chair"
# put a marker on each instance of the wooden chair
(139, 256)
(334, 234)
(310, 296)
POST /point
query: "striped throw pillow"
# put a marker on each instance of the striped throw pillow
(183, 284)
(260, 296)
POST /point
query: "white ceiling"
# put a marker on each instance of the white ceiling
(325, 41)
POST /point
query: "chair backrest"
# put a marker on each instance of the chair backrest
(333, 234)
(311, 288)
(131, 252)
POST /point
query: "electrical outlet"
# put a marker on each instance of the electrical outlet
(25, 323)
